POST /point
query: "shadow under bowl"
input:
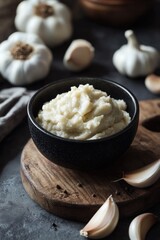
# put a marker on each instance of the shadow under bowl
(82, 154)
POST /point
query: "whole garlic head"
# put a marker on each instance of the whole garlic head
(135, 60)
(24, 58)
(79, 55)
(49, 19)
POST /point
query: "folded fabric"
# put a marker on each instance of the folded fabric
(13, 102)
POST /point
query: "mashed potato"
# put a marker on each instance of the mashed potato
(83, 113)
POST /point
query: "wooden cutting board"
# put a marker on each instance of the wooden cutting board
(77, 195)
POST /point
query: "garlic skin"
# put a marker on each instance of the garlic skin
(145, 176)
(49, 19)
(79, 55)
(135, 60)
(24, 58)
(152, 83)
(140, 226)
(103, 222)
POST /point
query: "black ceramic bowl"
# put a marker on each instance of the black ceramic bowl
(82, 154)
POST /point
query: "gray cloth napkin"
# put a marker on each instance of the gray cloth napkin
(13, 102)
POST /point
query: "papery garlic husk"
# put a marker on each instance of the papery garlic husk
(140, 225)
(103, 222)
(79, 55)
(145, 176)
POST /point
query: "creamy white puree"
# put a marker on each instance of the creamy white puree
(83, 113)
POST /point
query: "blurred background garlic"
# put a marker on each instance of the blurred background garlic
(135, 60)
(49, 19)
(79, 55)
(24, 58)
(152, 83)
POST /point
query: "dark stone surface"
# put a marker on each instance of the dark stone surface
(20, 217)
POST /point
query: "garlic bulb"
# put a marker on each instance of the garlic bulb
(135, 60)
(24, 58)
(103, 222)
(140, 225)
(79, 55)
(49, 19)
(152, 83)
(145, 176)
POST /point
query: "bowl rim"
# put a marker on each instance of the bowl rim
(38, 126)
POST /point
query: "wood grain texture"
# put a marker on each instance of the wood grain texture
(77, 195)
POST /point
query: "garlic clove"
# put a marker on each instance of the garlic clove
(145, 176)
(79, 55)
(152, 83)
(103, 222)
(140, 225)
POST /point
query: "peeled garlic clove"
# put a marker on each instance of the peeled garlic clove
(145, 176)
(79, 55)
(152, 83)
(103, 222)
(140, 225)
